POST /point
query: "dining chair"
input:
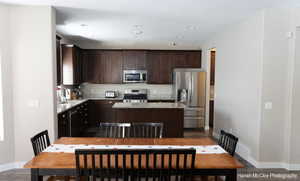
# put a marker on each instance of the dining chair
(146, 130)
(134, 165)
(39, 143)
(114, 130)
(228, 142)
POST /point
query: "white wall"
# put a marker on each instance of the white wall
(275, 84)
(255, 64)
(32, 53)
(237, 82)
(6, 146)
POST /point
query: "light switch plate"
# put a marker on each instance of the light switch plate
(268, 105)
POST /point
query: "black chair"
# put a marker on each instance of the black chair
(146, 130)
(228, 142)
(135, 165)
(114, 130)
(40, 142)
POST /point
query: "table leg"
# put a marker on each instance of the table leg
(35, 175)
(232, 176)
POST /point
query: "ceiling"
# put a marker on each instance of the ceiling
(149, 24)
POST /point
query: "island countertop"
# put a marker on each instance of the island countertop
(148, 106)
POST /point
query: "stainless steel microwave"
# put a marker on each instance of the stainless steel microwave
(134, 76)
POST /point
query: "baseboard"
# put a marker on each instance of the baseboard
(10, 166)
(243, 151)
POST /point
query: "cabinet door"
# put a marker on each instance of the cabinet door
(101, 111)
(153, 67)
(193, 59)
(160, 67)
(165, 67)
(63, 125)
(134, 60)
(112, 69)
(58, 62)
(71, 65)
(92, 68)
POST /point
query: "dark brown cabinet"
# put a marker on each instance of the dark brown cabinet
(63, 124)
(171, 118)
(73, 122)
(134, 60)
(58, 61)
(112, 62)
(102, 67)
(160, 67)
(101, 111)
(160, 64)
(71, 65)
(106, 66)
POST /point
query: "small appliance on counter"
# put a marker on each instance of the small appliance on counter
(135, 96)
(111, 94)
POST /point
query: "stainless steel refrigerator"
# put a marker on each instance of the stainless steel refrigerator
(190, 89)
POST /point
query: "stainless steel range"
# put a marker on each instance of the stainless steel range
(135, 96)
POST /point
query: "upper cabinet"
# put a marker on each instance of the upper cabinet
(71, 65)
(106, 66)
(58, 61)
(134, 60)
(160, 64)
(112, 63)
(102, 66)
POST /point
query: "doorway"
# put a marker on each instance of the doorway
(212, 88)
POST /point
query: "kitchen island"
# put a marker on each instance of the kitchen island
(170, 114)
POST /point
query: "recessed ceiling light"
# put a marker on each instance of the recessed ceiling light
(137, 32)
(173, 44)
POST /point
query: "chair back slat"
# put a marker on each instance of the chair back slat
(147, 130)
(114, 130)
(40, 142)
(228, 142)
(88, 163)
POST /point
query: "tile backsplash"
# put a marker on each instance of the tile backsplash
(163, 91)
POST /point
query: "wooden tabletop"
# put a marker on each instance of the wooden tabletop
(67, 160)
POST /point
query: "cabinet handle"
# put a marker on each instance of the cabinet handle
(63, 115)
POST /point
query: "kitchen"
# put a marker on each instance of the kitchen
(96, 86)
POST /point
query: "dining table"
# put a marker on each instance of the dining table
(63, 163)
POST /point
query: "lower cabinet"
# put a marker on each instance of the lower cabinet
(73, 122)
(101, 111)
(63, 125)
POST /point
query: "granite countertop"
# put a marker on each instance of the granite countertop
(148, 106)
(70, 104)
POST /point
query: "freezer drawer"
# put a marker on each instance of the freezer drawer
(194, 112)
(194, 122)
